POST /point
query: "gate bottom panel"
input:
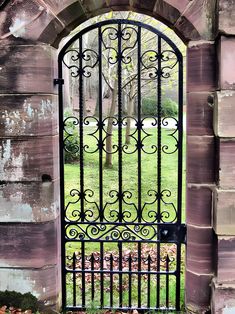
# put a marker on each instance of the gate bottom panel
(123, 275)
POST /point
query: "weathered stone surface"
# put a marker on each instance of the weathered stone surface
(223, 298)
(117, 3)
(226, 62)
(224, 113)
(183, 26)
(226, 259)
(29, 202)
(165, 12)
(29, 159)
(199, 114)
(226, 149)
(201, 62)
(199, 249)
(224, 212)
(199, 206)
(29, 245)
(146, 5)
(28, 115)
(200, 159)
(201, 15)
(38, 281)
(26, 19)
(73, 14)
(46, 21)
(197, 292)
(226, 15)
(179, 5)
(56, 6)
(27, 69)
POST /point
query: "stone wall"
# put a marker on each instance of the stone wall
(30, 30)
(223, 286)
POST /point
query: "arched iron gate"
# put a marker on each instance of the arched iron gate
(121, 240)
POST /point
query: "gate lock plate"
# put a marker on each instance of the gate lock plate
(172, 233)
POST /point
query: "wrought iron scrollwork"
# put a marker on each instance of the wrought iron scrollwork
(72, 56)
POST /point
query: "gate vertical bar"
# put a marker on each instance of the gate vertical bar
(101, 274)
(180, 164)
(139, 159)
(148, 282)
(120, 151)
(129, 280)
(83, 275)
(139, 125)
(119, 73)
(61, 160)
(100, 126)
(111, 280)
(74, 281)
(159, 143)
(180, 140)
(120, 273)
(81, 108)
(92, 278)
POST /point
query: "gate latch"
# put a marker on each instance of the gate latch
(172, 233)
(58, 81)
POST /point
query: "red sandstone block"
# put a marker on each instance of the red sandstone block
(199, 249)
(27, 19)
(201, 67)
(29, 202)
(199, 114)
(27, 69)
(185, 29)
(179, 5)
(200, 159)
(226, 62)
(29, 159)
(146, 5)
(226, 14)
(224, 212)
(199, 206)
(29, 245)
(201, 14)
(44, 283)
(58, 5)
(28, 115)
(223, 298)
(197, 292)
(119, 3)
(226, 164)
(163, 10)
(226, 259)
(224, 113)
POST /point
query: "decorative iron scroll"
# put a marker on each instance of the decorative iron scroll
(148, 212)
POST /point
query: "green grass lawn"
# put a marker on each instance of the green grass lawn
(149, 172)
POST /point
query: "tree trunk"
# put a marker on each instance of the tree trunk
(130, 106)
(109, 140)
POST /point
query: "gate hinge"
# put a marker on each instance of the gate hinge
(172, 232)
(58, 81)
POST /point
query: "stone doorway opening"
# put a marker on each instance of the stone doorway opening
(125, 222)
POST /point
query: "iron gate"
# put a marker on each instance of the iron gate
(121, 239)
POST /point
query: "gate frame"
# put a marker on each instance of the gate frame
(176, 229)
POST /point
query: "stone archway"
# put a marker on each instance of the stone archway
(29, 224)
